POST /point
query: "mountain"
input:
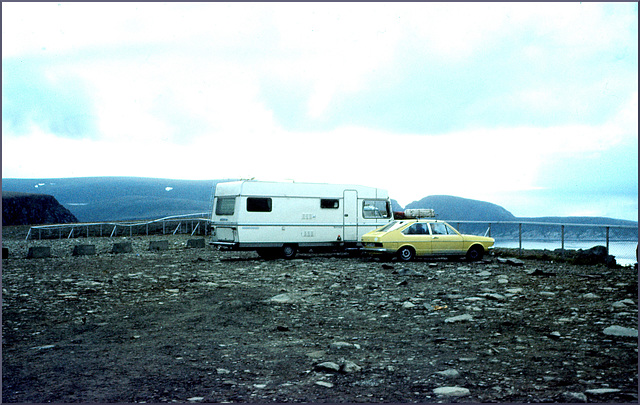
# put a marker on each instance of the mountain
(457, 208)
(100, 199)
(454, 209)
(33, 209)
(103, 199)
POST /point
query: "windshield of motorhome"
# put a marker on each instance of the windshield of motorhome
(225, 205)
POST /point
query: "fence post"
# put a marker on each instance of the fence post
(520, 239)
(562, 237)
(607, 240)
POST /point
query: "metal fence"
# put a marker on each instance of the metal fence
(178, 224)
(620, 240)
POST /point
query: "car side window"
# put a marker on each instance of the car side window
(450, 230)
(417, 229)
(438, 229)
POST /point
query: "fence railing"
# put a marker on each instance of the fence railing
(189, 223)
(620, 239)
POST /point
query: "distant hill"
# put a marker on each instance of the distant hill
(33, 209)
(99, 199)
(453, 209)
(580, 220)
(457, 208)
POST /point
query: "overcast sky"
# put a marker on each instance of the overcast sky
(532, 106)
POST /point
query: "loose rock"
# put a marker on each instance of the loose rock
(459, 318)
(616, 330)
(327, 366)
(452, 391)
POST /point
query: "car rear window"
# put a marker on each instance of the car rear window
(392, 226)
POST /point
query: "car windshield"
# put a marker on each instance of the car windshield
(392, 226)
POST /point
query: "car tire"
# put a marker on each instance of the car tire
(406, 254)
(475, 253)
(288, 252)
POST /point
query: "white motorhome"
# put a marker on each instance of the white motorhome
(277, 219)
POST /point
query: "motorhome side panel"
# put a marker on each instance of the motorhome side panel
(272, 214)
(298, 220)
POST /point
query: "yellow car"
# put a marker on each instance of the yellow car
(418, 237)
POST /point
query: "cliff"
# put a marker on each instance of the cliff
(33, 209)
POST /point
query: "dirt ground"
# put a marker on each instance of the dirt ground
(201, 325)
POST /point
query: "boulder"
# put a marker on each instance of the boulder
(84, 250)
(196, 243)
(122, 247)
(39, 252)
(595, 255)
(158, 245)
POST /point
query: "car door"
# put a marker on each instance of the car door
(445, 240)
(417, 235)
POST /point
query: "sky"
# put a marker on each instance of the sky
(531, 106)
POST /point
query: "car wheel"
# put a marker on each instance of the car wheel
(288, 252)
(475, 253)
(406, 254)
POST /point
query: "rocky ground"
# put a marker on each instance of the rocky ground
(200, 325)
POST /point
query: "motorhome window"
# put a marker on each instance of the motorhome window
(258, 204)
(329, 203)
(225, 205)
(376, 209)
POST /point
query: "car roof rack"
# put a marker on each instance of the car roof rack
(418, 213)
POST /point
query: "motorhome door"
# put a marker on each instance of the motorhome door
(350, 215)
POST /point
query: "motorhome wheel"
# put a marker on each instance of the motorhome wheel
(288, 252)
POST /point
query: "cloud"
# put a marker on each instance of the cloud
(35, 94)
(420, 98)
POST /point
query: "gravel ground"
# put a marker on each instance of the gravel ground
(201, 325)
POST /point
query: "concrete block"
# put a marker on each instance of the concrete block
(84, 250)
(38, 252)
(196, 243)
(122, 247)
(5, 253)
(159, 245)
